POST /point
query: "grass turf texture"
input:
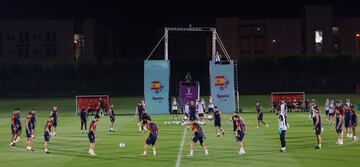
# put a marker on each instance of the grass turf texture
(69, 147)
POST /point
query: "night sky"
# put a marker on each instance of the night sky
(134, 22)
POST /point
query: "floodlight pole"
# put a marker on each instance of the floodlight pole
(166, 44)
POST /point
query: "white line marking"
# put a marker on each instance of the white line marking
(17, 148)
(181, 148)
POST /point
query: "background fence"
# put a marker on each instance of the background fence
(257, 75)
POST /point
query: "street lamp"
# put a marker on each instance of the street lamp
(357, 37)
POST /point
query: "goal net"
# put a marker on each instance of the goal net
(92, 101)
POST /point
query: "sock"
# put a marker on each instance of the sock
(206, 151)
(319, 145)
(191, 152)
(144, 152)
(154, 152)
(46, 150)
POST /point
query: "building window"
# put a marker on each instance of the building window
(21, 37)
(27, 37)
(53, 37)
(20, 52)
(335, 30)
(318, 41)
(26, 52)
(48, 37)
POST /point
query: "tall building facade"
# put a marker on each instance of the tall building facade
(60, 40)
(318, 32)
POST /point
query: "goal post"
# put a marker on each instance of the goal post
(93, 100)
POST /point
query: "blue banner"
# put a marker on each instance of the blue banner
(222, 86)
(156, 86)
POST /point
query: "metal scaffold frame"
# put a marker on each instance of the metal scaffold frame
(214, 40)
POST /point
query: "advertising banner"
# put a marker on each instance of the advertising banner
(188, 91)
(222, 86)
(156, 86)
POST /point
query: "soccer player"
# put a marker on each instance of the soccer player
(153, 135)
(201, 111)
(83, 119)
(233, 119)
(327, 110)
(90, 109)
(240, 133)
(174, 109)
(283, 111)
(47, 132)
(140, 111)
(53, 114)
(312, 111)
(192, 111)
(317, 126)
(338, 127)
(14, 129)
(112, 118)
(282, 131)
(260, 115)
(186, 110)
(347, 116)
(33, 122)
(331, 112)
(102, 106)
(28, 131)
(15, 126)
(217, 121)
(353, 122)
(198, 135)
(210, 105)
(91, 135)
(348, 102)
(145, 117)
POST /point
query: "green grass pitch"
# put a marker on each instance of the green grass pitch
(69, 147)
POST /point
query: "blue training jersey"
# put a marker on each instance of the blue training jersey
(33, 119)
(319, 124)
(54, 115)
(338, 120)
(83, 114)
(153, 129)
(217, 116)
(197, 130)
(192, 111)
(258, 109)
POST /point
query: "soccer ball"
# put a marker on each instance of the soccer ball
(209, 117)
(185, 117)
(122, 145)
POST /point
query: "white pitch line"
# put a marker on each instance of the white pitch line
(181, 148)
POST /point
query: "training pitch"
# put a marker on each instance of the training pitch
(69, 147)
